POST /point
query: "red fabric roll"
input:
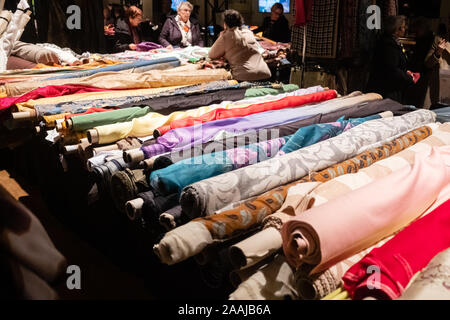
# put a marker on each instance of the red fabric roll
(400, 258)
(88, 111)
(46, 92)
(303, 12)
(221, 113)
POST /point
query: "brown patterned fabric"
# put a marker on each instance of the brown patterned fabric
(251, 213)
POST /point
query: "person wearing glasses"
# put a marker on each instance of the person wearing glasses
(275, 27)
(181, 30)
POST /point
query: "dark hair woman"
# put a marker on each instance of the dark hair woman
(128, 35)
(238, 46)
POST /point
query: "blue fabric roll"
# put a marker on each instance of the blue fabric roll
(117, 67)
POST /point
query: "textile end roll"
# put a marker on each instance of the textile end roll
(59, 126)
(25, 115)
(92, 136)
(148, 163)
(71, 149)
(134, 208)
(37, 129)
(237, 257)
(156, 133)
(111, 147)
(69, 124)
(133, 156)
(167, 221)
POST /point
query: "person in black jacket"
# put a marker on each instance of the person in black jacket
(389, 75)
(276, 27)
(128, 35)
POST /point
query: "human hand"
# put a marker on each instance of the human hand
(415, 75)
(441, 47)
(47, 57)
(169, 47)
(132, 46)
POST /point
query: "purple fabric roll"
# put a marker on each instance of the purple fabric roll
(187, 137)
(147, 46)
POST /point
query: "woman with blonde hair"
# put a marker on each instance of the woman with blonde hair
(238, 46)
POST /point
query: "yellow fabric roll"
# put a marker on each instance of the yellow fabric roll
(144, 126)
(50, 121)
(120, 80)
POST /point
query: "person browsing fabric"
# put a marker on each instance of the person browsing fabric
(238, 46)
(181, 30)
(389, 75)
(128, 35)
(275, 27)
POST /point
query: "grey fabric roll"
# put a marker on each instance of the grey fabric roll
(205, 197)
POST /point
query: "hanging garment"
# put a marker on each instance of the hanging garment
(303, 12)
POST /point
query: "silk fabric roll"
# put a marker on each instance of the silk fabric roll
(401, 257)
(413, 187)
(217, 114)
(201, 198)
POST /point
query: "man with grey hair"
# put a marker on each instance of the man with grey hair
(389, 75)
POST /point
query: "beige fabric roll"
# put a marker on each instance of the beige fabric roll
(124, 80)
(432, 282)
(273, 282)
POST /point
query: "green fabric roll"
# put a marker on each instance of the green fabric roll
(259, 92)
(89, 121)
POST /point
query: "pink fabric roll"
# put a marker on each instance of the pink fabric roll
(336, 230)
(400, 258)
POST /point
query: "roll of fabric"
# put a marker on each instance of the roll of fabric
(172, 218)
(226, 142)
(85, 122)
(272, 282)
(179, 245)
(309, 135)
(258, 92)
(432, 282)
(123, 80)
(177, 176)
(301, 235)
(183, 138)
(146, 125)
(154, 205)
(45, 92)
(217, 114)
(125, 186)
(401, 257)
(201, 198)
(118, 67)
(268, 241)
(318, 285)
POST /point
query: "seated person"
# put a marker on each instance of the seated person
(128, 33)
(238, 46)
(275, 27)
(181, 30)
